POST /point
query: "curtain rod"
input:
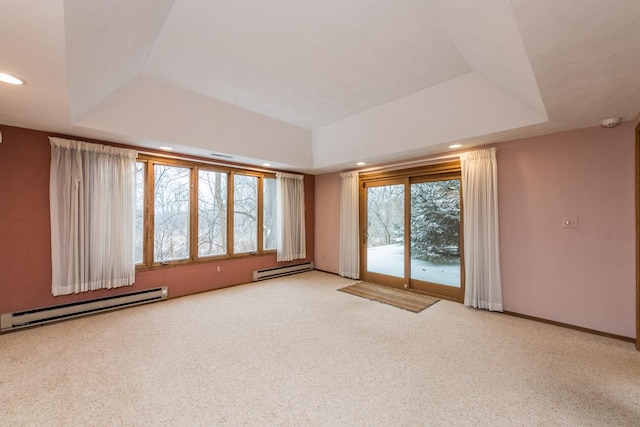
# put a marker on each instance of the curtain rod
(417, 163)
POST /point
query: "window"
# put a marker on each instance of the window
(171, 196)
(269, 236)
(196, 212)
(245, 213)
(212, 213)
(141, 168)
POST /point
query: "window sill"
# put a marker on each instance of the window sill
(208, 260)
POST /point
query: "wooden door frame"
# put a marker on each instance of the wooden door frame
(434, 172)
(637, 185)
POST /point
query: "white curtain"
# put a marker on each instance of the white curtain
(92, 195)
(349, 226)
(291, 242)
(483, 287)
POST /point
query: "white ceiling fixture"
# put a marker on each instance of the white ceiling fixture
(318, 86)
(611, 123)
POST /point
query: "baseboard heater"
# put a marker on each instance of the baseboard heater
(41, 316)
(270, 273)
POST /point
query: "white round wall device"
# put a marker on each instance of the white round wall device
(611, 123)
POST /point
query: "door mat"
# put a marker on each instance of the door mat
(401, 298)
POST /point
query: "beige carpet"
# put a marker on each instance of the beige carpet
(407, 300)
(293, 351)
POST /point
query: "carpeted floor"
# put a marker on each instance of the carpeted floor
(292, 351)
(407, 300)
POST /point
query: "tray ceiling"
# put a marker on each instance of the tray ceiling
(317, 86)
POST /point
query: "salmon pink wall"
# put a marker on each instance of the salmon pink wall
(25, 242)
(328, 204)
(584, 276)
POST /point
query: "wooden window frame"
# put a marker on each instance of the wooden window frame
(148, 262)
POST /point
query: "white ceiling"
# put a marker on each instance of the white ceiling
(316, 86)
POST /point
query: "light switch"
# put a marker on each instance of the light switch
(570, 222)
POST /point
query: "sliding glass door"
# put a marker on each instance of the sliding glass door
(412, 233)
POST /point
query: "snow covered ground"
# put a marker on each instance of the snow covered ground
(389, 260)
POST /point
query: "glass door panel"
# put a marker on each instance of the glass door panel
(435, 237)
(385, 245)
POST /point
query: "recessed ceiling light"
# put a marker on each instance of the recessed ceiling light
(266, 165)
(166, 148)
(455, 146)
(8, 78)
(360, 164)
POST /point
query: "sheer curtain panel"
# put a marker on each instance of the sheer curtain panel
(483, 287)
(291, 229)
(92, 194)
(349, 226)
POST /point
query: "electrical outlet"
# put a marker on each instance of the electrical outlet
(218, 269)
(570, 222)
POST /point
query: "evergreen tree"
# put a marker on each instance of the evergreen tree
(435, 221)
